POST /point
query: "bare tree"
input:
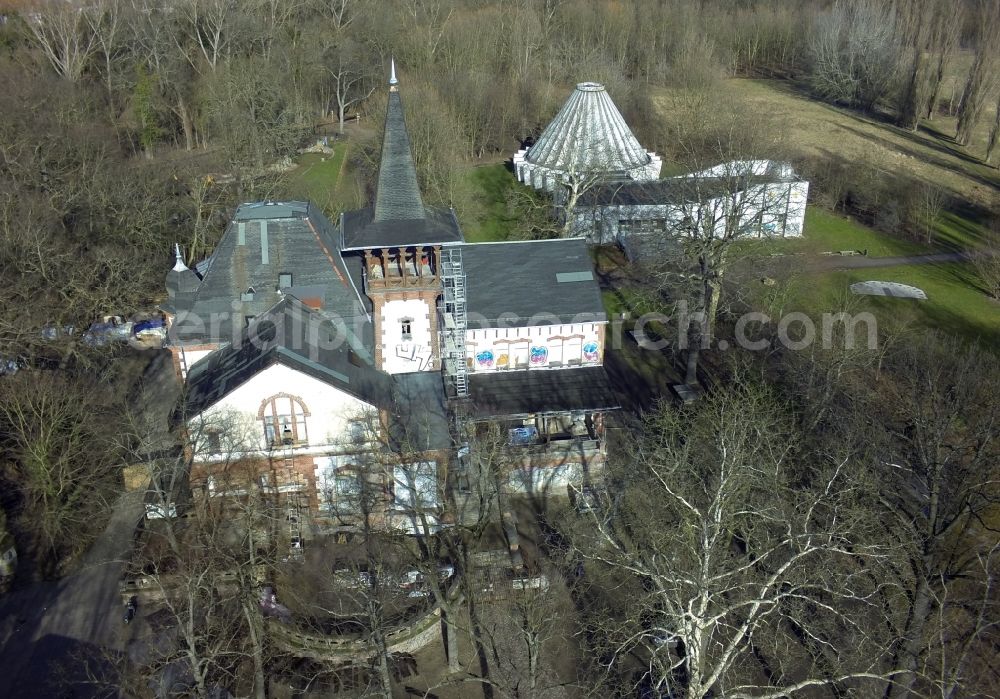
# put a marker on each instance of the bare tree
(981, 72)
(744, 566)
(520, 628)
(351, 71)
(941, 432)
(930, 200)
(65, 33)
(854, 53)
(946, 28)
(987, 264)
(209, 27)
(733, 196)
(342, 13)
(59, 457)
(109, 23)
(202, 562)
(967, 620)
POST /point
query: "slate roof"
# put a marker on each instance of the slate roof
(420, 419)
(300, 338)
(588, 134)
(263, 241)
(360, 230)
(674, 190)
(539, 282)
(292, 334)
(398, 217)
(529, 392)
(397, 197)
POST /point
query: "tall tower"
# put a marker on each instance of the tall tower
(400, 241)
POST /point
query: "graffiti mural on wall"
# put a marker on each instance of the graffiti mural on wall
(539, 355)
(590, 352)
(484, 359)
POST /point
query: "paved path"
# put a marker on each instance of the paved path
(47, 627)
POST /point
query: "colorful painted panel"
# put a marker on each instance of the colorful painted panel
(539, 355)
(590, 353)
(485, 359)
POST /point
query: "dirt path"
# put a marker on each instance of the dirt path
(835, 262)
(49, 628)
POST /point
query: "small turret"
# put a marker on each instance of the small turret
(180, 279)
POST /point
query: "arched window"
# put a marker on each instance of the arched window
(284, 419)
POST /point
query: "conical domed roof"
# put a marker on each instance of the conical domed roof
(588, 135)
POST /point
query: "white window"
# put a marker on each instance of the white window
(213, 440)
(415, 485)
(358, 431)
(284, 419)
(347, 485)
(573, 350)
(519, 353)
(406, 329)
(555, 352)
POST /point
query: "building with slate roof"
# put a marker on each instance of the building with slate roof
(768, 197)
(335, 363)
(588, 135)
(589, 156)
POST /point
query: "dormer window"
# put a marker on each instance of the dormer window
(406, 329)
(247, 295)
(284, 280)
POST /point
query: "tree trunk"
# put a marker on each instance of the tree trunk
(382, 663)
(693, 353)
(991, 144)
(908, 657)
(186, 125)
(259, 681)
(934, 89)
(533, 643)
(972, 98)
(451, 631)
(909, 112)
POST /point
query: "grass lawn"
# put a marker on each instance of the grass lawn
(957, 232)
(954, 302)
(324, 180)
(489, 218)
(828, 232)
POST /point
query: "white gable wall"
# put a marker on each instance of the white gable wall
(188, 358)
(330, 409)
(400, 356)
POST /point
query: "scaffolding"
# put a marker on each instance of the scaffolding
(454, 319)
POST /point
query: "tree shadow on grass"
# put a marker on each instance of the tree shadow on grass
(976, 172)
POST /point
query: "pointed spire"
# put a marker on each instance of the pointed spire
(392, 73)
(397, 197)
(179, 265)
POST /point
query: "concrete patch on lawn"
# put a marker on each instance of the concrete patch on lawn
(894, 289)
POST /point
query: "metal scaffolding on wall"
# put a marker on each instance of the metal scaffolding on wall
(454, 319)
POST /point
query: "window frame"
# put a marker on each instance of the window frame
(277, 424)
